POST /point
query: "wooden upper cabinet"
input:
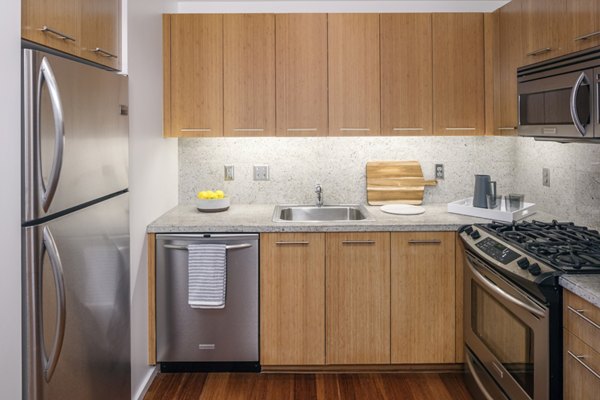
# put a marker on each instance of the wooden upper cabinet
(301, 72)
(60, 18)
(511, 56)
(358, 298)
(100, 31)
(584, 23)
(458, 74)
(292, 299)
(406, 74)
(545, 29)
(423, 298)
(249, 74)
(193, 51)
(354, 92)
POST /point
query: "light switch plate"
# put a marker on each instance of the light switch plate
(546, 177)
(261, 172)
(229, 172)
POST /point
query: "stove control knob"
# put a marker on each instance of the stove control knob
(468, 230)
(475, 234)
(523, 263)
(534, 269)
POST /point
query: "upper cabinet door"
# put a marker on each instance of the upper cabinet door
(584, 23)
(52, 23)
(406, 74)
(249, 74)
(458, 74)
(545, 29)
(100, 31)
(511, 57)
(301, 54)
(354, 95)
(194, 75)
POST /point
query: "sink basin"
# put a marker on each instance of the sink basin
(333, 213)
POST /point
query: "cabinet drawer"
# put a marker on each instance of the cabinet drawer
(581, 369)
(582, 319)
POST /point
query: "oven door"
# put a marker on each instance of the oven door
(559, 106)
(507, 331)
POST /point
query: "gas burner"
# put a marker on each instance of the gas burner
(564, 245)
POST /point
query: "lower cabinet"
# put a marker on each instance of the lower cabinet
(423, 298)
(292, 299)
(358, 298)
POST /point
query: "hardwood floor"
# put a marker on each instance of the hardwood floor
(239, 386)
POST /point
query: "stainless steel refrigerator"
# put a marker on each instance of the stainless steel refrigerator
(75, 231)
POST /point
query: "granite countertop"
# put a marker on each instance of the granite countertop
(258, 218)
(585, 286)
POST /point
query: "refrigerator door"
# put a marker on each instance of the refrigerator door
(76, 301)
(75, 128)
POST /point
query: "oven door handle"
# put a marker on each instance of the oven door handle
(573, 103)
(480, 384)
(494, 288)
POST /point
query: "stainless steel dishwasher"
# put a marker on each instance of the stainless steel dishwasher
(192, 339)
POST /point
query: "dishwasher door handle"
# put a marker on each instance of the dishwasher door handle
(228, 247)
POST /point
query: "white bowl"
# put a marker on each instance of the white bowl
(213, 205)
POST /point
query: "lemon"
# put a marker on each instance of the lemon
(219, 194)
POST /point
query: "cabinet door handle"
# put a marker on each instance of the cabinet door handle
(195, 130)
(587, 36)
(103, 53)
(579, 313)
(301, 242)
(248, 129)
(355, 129)
(407, 129)
(540, 51)
(58, 34)
(358, 242)
(432, 241)
(302, 129)
(460, 129)
(579, 359)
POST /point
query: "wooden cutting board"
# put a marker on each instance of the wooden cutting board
(396, 182)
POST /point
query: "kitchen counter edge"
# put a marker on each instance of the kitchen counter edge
(585, 286)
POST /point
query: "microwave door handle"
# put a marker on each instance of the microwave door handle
(573, 105)
(494, 288)
(46, 75)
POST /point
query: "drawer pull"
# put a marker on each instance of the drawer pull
(355, 129)
(540, 51)
(195, 130)
(585, 37)
(460, 129)
(103, 53)
(358, 242)
(248, 129)
(58, 34)
(579, 359)
(585, 318)
(292, 243)
(302, 129)
(407, 129)
(433, 241)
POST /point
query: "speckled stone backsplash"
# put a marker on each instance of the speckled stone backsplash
(574, 192)
(338, 164)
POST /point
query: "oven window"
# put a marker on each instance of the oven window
(505, 335)
(553, 107)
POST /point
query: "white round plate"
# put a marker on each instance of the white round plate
(402, 209)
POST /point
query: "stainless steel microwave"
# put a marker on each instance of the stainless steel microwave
(558, 99)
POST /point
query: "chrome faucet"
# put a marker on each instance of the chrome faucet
(319, 192)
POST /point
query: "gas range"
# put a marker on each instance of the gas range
(533, 254)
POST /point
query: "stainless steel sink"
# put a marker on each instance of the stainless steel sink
(333, 213)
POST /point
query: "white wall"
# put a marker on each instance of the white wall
(300, 6)
(153, 163)
(10, 199)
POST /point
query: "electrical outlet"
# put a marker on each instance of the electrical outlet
(261, 172)
(228, 172)
(439, 171)
(546, 177)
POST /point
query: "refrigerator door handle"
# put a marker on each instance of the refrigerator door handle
(50, 361)
(46, 75)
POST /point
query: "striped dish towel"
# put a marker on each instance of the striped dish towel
(207, 275)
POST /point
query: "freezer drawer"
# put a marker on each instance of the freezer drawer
(186, 334)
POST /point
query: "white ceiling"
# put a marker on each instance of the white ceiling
(293, 6)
